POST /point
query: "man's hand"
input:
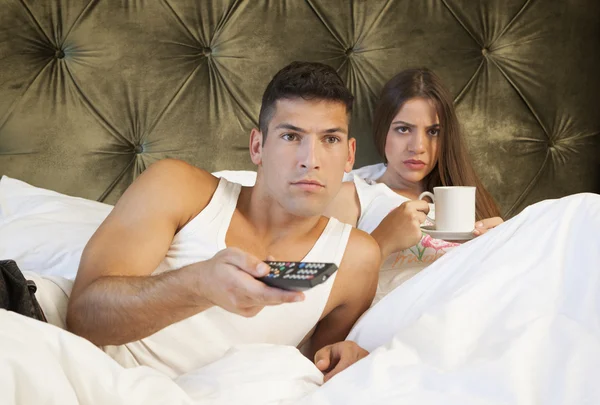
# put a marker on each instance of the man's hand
(337, 357)
(485, 225)
(228, 280)
(401, 228)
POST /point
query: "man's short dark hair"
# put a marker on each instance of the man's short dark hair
(307, 80)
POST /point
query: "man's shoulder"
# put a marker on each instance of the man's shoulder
(356, 281)
(362, 253)
(362, 257)
(176, 178)
(173, 187)
(176, 170)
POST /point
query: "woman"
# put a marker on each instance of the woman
(416, 132)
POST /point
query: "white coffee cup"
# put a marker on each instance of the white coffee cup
(454, 208)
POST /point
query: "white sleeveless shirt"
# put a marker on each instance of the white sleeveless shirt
(205, 337)
(376, 202)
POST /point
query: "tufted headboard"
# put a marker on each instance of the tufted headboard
(93, 91)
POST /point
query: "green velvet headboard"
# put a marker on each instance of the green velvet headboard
(93, 91)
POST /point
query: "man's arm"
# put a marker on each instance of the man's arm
(353, 291)
(115, 299)
(112, 300)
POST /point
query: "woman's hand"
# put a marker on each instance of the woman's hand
(485, 225)
(401, 228)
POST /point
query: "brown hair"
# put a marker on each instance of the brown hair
(307, 80)
(454, 167)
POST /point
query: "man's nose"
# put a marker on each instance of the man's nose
(308, 153)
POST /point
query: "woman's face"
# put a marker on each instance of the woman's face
(412, 140)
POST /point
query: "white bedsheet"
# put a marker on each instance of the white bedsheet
(512, 317)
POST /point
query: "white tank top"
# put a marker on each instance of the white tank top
(205, 337)
(376, 201)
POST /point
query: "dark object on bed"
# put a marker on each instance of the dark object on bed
(92, 92)
(16, 293)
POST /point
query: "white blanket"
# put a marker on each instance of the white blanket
(512, 317)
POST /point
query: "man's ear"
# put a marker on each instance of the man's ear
(256, 142)
(351, 155)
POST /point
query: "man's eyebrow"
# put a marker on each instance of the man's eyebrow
(334, 130)
(297, 129)
(290, 127)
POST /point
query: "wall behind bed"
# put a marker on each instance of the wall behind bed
(94, 91)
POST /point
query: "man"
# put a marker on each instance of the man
(169, 280)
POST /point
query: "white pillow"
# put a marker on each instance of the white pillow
(45, 231)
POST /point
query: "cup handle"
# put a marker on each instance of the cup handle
(427, 194)
(430, 195)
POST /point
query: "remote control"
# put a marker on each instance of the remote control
(297, 276)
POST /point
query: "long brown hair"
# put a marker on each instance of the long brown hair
(454, 167)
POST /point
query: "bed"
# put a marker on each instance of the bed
(92, 92)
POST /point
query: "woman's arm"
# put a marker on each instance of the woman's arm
(400, 229)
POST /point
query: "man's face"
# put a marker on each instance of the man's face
(305, 154)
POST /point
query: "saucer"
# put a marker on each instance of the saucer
(447, 235)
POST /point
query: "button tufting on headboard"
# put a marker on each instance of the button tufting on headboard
(93, 92)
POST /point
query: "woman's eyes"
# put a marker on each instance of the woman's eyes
(406, 130)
